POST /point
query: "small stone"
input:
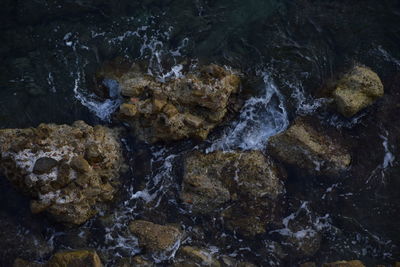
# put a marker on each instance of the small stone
(80, 164)
(129, 110)
(44, 165)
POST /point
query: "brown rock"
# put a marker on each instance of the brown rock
(309, 147)
(75, 258)
(70, 190)
(190, 106)
(353, 263)
(194, 256)
(129, 110)
(356, 90)
(80, 164)
(249, 178)
(155, 237)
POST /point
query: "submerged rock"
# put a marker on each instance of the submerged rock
(51, 164)
(194, 256)
(185, 107)
(66, 259)
(353, 263)
(156, 238)
(356, 90)
(249, 179)
(308, 145)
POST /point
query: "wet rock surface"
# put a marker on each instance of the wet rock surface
(250, 181)
(66, 259)
(356, 90)
(352, 263)
(185, 107)
(308, 145)
(156, 238)
(48, 163)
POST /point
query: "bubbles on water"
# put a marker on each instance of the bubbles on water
(260, 118)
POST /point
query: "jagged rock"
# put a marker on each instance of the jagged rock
(185, 107)
(194, 256)
(249, 179)
(356, 90)
(353, 263)
(48, 163)
(308, 145)
(154, 237)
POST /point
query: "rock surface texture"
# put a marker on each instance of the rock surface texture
(356, 90)
(250, 180)
(308, 145)
(186, 107)
(66, 259)
(156, 238)
(66, 170)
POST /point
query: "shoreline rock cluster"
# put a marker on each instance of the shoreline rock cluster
(70, 171)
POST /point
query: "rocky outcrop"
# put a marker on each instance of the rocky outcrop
(310, 146)
(66, 259)
(186, 107)
(250, 180)
(156, 238)
(66, 170)
(356, 90)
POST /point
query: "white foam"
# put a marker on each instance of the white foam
(260, 118)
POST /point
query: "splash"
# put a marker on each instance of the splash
(260, 118)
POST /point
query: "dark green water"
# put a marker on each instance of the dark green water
(51, 49)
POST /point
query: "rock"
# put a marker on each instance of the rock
(249, 179)
(186, 107)
(23, 263)
(307, 145)
(44, 165)
(137, 261)
(356, 90)
(80, 164)
(353, 263)
(308, 264)
(194, 256)
(154, 237)
(75, 258)
(48, 163)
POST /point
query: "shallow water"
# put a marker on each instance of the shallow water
(287, 49)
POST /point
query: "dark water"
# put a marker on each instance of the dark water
(50, 51)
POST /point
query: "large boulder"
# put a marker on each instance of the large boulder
(66, 170)
(155, 238)
(186, 107)
(249, 179)
(356, 90)
(310, 146)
